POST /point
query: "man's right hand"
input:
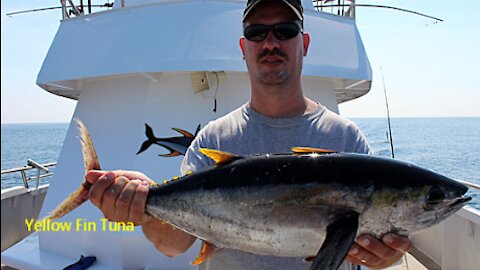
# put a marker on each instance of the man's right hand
(121, 196)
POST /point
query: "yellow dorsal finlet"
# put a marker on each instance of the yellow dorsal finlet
(217, 155)
(304, 150)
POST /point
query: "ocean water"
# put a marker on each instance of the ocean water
(449, 146)
(39, 142)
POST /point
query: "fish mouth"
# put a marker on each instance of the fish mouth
(442, 210)
(456, 205)
(461, 202)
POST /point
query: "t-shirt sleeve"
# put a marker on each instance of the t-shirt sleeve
(195, 161)
(360, 143)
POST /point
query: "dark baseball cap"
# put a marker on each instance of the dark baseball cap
(294, 5)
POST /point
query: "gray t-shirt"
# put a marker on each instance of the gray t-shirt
(246, 132)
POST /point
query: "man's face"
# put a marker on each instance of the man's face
(273, 61)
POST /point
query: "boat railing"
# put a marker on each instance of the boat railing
(72, 8)
(345, 8)
(42, 172)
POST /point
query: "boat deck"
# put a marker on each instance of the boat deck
(408, 262)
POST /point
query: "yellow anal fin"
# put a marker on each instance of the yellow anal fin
(207, 251)
(218, 156)
(171, 154)
(309, 259)
(301, 150)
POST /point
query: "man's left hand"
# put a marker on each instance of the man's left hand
(378, 254)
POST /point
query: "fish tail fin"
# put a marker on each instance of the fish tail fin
(79, 196)
(151, 139)
(88, 150)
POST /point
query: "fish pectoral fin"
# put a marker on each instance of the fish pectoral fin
(304, 150)
(206, 252)
(218, 156)
(340, 236)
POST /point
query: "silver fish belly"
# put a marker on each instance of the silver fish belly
(277, 220)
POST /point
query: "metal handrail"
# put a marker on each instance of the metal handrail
(69, 8)
(31, 164)
(345, 8)
(42, 171)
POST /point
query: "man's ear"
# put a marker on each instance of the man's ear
(242, 46)
(306, 43)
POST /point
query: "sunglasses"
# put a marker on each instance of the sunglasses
(282, 31)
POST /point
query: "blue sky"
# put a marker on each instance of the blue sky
(430, 69)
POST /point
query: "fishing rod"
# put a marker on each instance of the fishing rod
(467, 183)
(106, 5)
(381, 6)
(470, 184)
(388, 115)
(109, 5)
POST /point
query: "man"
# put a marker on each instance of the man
(277, 118)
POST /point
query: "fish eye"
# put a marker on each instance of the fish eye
(434, 197)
